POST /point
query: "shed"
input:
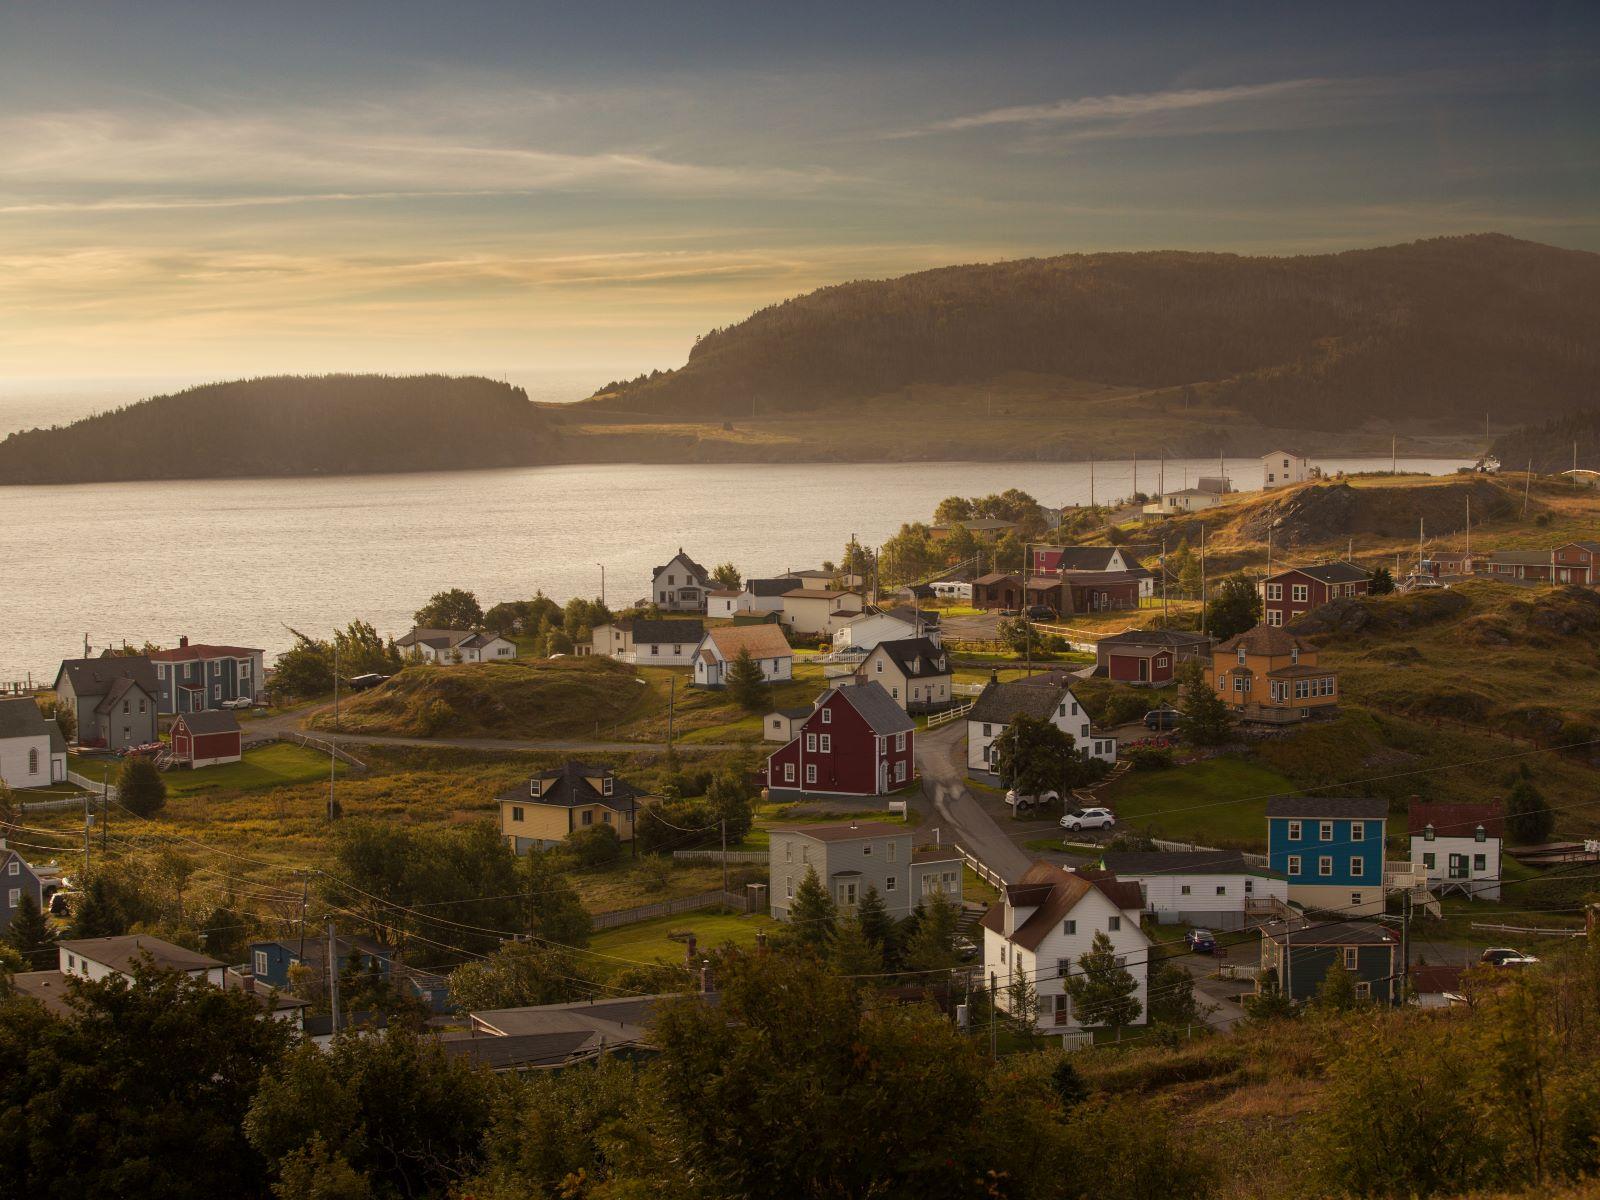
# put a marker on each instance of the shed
(206, 739)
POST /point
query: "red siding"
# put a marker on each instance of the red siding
(1287, 607)
(851, 765)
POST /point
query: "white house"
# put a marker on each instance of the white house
(680, 585)
(766, 595)
(1044, 697)
(1208, 888)
(32, 751)
(658, 642)
(457, 646)
(1459, 846)
(725, 602)
(914, 671)
(819, 612)
(1186, 501)
(1283, 467)
(1046, 921)
(97, 958)
(861, 634)
(720, 646)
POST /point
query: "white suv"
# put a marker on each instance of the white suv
(1089, 818)
(1022, 804)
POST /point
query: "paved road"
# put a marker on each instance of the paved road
(941, 760)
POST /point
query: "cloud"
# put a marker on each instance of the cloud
(1115, 107)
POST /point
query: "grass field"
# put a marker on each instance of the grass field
(648, 941)
(1221, 801)
(267, 766)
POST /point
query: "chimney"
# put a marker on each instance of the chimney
(183, 642)
(994, 675)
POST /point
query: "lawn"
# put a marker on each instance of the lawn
(266, 766)
(1219, 802)
(647, 941)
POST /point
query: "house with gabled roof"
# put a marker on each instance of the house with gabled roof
(19, 878)
(856, 742)
(1046, 697)
(1279, 468)
(573, 796)
(1576, 562)
(1271, 676)
(1149, 657)
(915, 671)
(457, 646)
(206, 739)
(649, 641)
(719, 647)
(1296, 957)
(192, 677)
(849, 859)
(1330, 849)
(114, 697)
(1295, 591)
(1213, 889)
(680, 585)
(1458, 845)
(32, 751)
(819, 612)
(1045, 922)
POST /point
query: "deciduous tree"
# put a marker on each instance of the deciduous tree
(555, 913)
(1234, 608)
(1529, 820)
(454, 608)
(519, 974)
(1034, 756)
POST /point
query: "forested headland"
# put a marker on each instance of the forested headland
(1557, 445)
(291, 425)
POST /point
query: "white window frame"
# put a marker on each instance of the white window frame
(1325, 866)
(1351, 958)
(1358, 866)
(1325, 831)
(825, 744)
(260, 963)
(1293, 865)
(1299, 593)
(811, 772)
(1358, 831)
(1295, 830)
(788, 772)
(1113, 924)
(827, 715)
(811, 743)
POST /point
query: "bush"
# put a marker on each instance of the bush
(435, 717)
(593, 846)
(1149, 758)
(140, 788)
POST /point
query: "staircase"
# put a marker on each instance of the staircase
(1085, 795)
(967, 923)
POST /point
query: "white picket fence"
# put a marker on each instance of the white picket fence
(950, 714)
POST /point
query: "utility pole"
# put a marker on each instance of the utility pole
(1163, 581)
(333, 975)
(88, 826)
(1027, 561)
(994, 998)
(1202, 580)
(1469, 529)
(672, 701)
(1394, 455)
(1161, 474)
(724, 856)
(1527, 486)
(602, 567)
(333, 757)
(105, 807)
(305, 892)
(1091, 483)
(1136, 470)
(1405, 939)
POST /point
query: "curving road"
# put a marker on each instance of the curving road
(941, 758)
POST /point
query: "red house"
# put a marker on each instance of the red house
(1149, 657)
(856, 742)
(1288, 594)
(1576, 562)
(206, 738)
(1099, 591)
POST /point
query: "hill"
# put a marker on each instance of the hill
(291, 425)
(1438, 332)
(1557, 445)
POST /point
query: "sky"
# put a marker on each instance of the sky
(205, 190)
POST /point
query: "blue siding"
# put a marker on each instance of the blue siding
(280, 956)
(1342, 847)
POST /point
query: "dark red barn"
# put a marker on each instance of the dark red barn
(206, 738)
(856, 742)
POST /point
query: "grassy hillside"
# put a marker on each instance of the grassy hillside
(291, 425)
(1437, 331)
(1554, 445)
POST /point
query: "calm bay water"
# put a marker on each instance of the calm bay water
(240, 562)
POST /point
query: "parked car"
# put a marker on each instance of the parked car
(362, 683)
(1162, 719)
(1089, 818)
(1504, 956)
(1041, 612)
(241, 702)
(1201, 941)
(1022, 804)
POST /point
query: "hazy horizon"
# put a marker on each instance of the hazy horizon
(400, 188)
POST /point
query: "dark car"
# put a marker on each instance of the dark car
(1201, 941)
(1041, 613)
(364, 683)
(1162, 719)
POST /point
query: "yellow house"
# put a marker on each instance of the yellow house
(1269, 675)
(575, 796)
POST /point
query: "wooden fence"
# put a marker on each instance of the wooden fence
(950, 714)
(668, 908)
(322, 747)
(716, 856)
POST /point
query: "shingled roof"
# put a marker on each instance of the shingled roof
(647, 631)
(700, 572)
(21, 718)
(763, 641)
(1355, 808)
(1037, 697)
(210, 720)
(97, 676)
(1333, 572)
(1052, 893)
(877, 707)
(917, 657)
(568, 786)
(1266, 640)
(1456, 820)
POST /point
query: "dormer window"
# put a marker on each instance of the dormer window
(1241, 656)
(605, 785)
(533, 787)
(1294, 654)
(1427, 834)
(1480, 834)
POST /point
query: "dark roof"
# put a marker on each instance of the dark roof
(196, 650)
(1358, 808)
(1528, 558)
(1298, 671)
(1180, 862)
(877, 707)
(1340, 933)
(646, 630)
(1037, 697)
(1434, 980)
(568, 786)
(1177, 639)
(1591, 547)
(438, 639)
(997, 577)
(1265, 639)
(1125, 894)
(525, 1050)
(904, 612)
(700, 572)
(930, 854)
(811, 593)
(21, 718)
(619, 1018)
(769, 587)
(1333, 572)
(210, 720)
(859, 831)
(120, 953)
(1053, 893)
(1456, 820)
(1103, 577)
(96, 676)
(794, 714)
(119, 688)
(916, 657)
(49, 988)
(1089, 558)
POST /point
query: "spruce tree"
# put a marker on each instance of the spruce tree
(1337, 991)
(852, 952)
(812, 912)
(1529, 820)
(933, 946)
(1102, 989)
(1206, 720)
(746, 684)
(140, 788)
(31, 935)
(878, 925)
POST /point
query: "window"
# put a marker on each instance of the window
(1325, 866)
(1114, 924)
(1083, 731)
(1184, 890)
(1358, 866)
(588, 816)
(1002, 953)
(1294, 831)
(1274, 617)
(788, 889)
(1325, 831)
(866, 849)
(1063, 967)
(33, 761)
(811, 772)
(12, 868)
(1222, 889)
(1428, 860)
(1294, 864)
(1294, 655)
(899, 741)
(1358, 831)
(1480, 862)
(827, 716)
(1070, 928)
(891, 850)
(14, 900)
(1349, 958)
(1299, 592)
(516, 812)
(655, 648)
(606, 785)
(1364, 990)
(811, 743)
(1356, 900)
(826, 744)
(1241, 656)
(788, 772)
(1274, 591)
(888, 882)
(261, 962)
(125, 709)
(986, 729)
(847, 894)
(1478, 834)
(1427, 834)
(607, 816)
(900, 772)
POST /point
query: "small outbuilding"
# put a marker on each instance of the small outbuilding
(206, 739)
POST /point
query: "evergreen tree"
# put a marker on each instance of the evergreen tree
(727, 575)
(1172, 999)
(1380, 582)
(1023, 1005)
(730, 796)
(31, 935)
(1235, 608)
(1068, 1084)
(813, 913)
(852, 952)
(554, 911)
(1206, 720)
(1102, 990)
(1529, 820)
(1337, 991)
(140, 788)
(933, 946)
(878, 925)
(746, 684)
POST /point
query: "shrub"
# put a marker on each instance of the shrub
(594, 846)
(140, 788)
(1149, 758)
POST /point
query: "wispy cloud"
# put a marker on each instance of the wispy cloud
(1113, 107)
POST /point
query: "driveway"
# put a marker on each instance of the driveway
(941, 758)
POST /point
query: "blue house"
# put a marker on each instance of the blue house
(193, 678)
(1330, 849)
(270, 963)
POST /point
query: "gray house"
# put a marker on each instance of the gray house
(18, 879)
(193, 678)
(1300, 958)
(114, 698)
(851, 858)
